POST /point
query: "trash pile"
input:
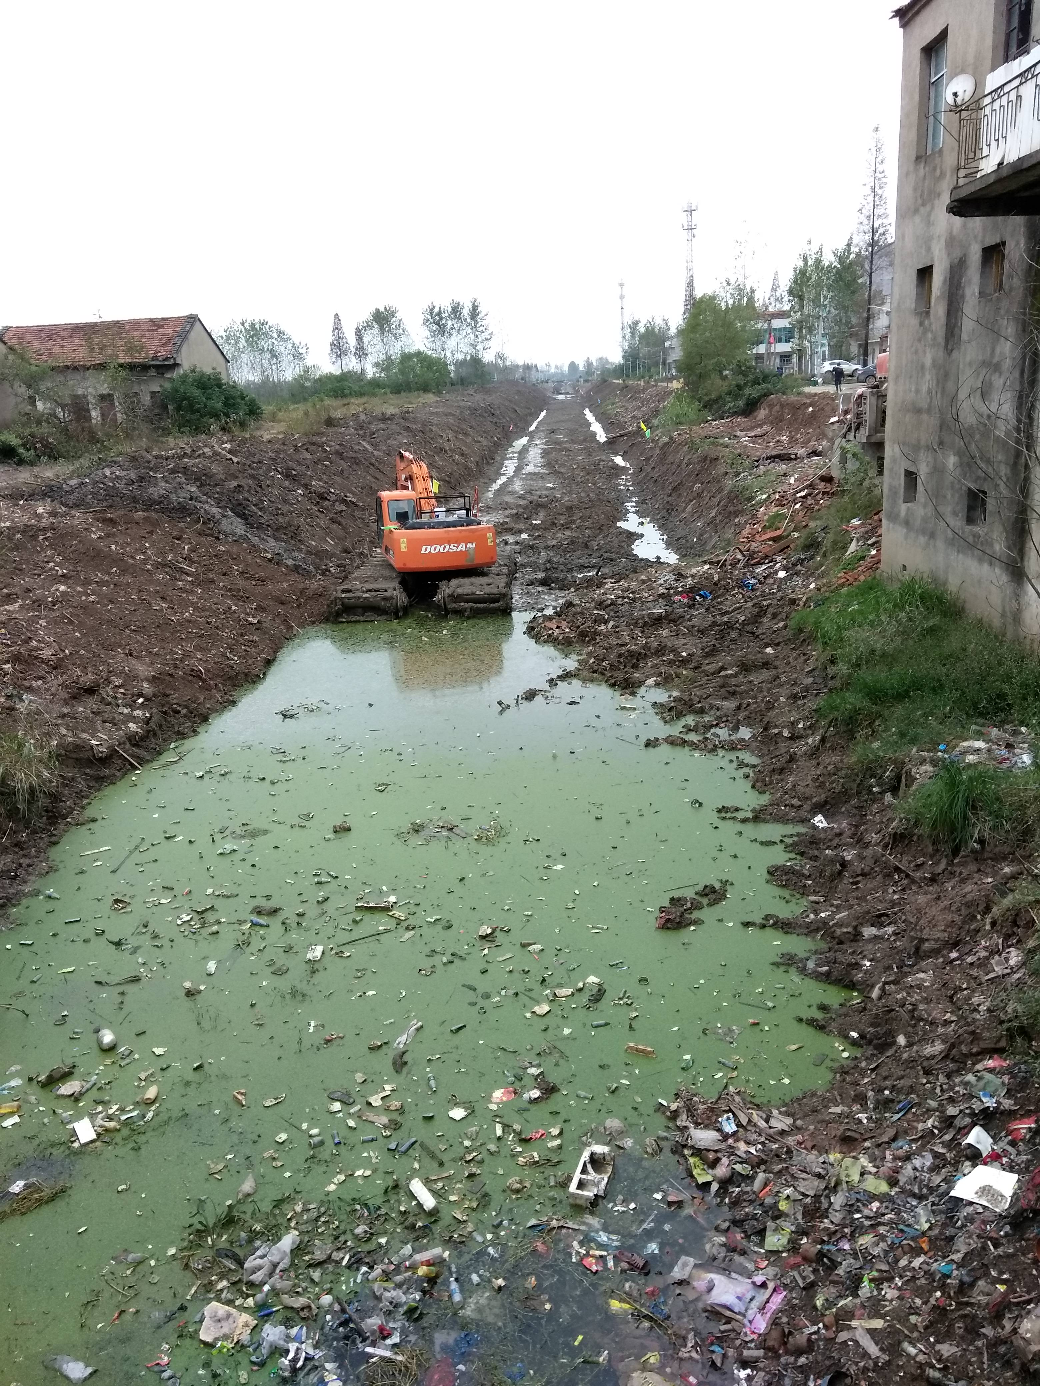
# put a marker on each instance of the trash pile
(400, 1297)
(869, 1252)
(1001, 748)
(782, 521)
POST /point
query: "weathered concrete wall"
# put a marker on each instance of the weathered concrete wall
(958, 369)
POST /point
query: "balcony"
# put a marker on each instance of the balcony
(998, 163)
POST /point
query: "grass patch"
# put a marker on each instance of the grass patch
(681, 411)
(963, 807)
(26, 773)
(912, 669)
(312, 415)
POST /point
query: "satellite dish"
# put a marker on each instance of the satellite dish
(960, 90)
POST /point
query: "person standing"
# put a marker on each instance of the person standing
(839, 379)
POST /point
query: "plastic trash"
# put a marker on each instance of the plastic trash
(454, 1291)
(980, 1139)
(223, 1324)
(820, 822)
(106, 1039)
(70, 1368)
(84, 1131)
(988, 1185)
(420, 1192)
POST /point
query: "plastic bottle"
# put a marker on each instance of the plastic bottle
(454, 1291)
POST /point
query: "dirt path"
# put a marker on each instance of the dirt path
(556, 502)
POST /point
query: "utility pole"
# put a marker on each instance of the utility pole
(690, 227)
(621, 295)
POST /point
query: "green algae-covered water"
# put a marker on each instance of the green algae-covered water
(207, 913)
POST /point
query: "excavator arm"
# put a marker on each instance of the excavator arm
(414, 475)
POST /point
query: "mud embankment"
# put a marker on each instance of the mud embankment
(137, 600)
(701, 484)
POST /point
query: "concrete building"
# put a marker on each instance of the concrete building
(97, 371)
(961, 469)
(775, 348)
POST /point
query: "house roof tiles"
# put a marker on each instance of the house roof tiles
(124, 342)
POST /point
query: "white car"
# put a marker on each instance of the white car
(827, 371)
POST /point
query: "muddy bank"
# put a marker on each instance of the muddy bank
(137, 600)
(701, 484)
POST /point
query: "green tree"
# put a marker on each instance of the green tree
(201, 401)
(808, 295)
(715, 339)
(845, 298)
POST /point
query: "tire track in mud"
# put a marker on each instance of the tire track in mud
(562, 503)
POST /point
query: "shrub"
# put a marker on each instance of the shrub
(681, 411)
(419, 372)
(11, 450)
(200, 401)
(26, 772)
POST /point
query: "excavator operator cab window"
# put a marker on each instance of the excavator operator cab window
(402, 511)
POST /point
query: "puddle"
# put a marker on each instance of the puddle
(476, 806)
(596, 427)
(512, 458)
(650, 543)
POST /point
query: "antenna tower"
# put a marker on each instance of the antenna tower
(690, 227)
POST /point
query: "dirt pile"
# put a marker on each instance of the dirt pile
(138, 599)
(307, 500)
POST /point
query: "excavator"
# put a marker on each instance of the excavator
(431, 546)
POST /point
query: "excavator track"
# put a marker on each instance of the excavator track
(374, 592)
(479, 594)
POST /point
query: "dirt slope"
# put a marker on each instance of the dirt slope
(136, 601)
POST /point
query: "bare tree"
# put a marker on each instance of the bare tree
(390, 333)
(339, 343)
(478, 330)
(873, 230)
(361, 351)
(262, 351)
(436, 329)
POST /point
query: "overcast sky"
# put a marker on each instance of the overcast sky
(292, 160)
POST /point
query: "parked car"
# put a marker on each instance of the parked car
(877, 371)
(827, 371)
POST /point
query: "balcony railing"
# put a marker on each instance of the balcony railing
(1001, 126)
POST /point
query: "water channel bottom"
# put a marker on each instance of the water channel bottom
(474, 804)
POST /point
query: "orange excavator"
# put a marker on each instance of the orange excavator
(432, 547)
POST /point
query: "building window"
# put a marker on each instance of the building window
(909, 487)
(936, 59)
(991, 275)
(975, 513)
(1018, 28)
(923, 302)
